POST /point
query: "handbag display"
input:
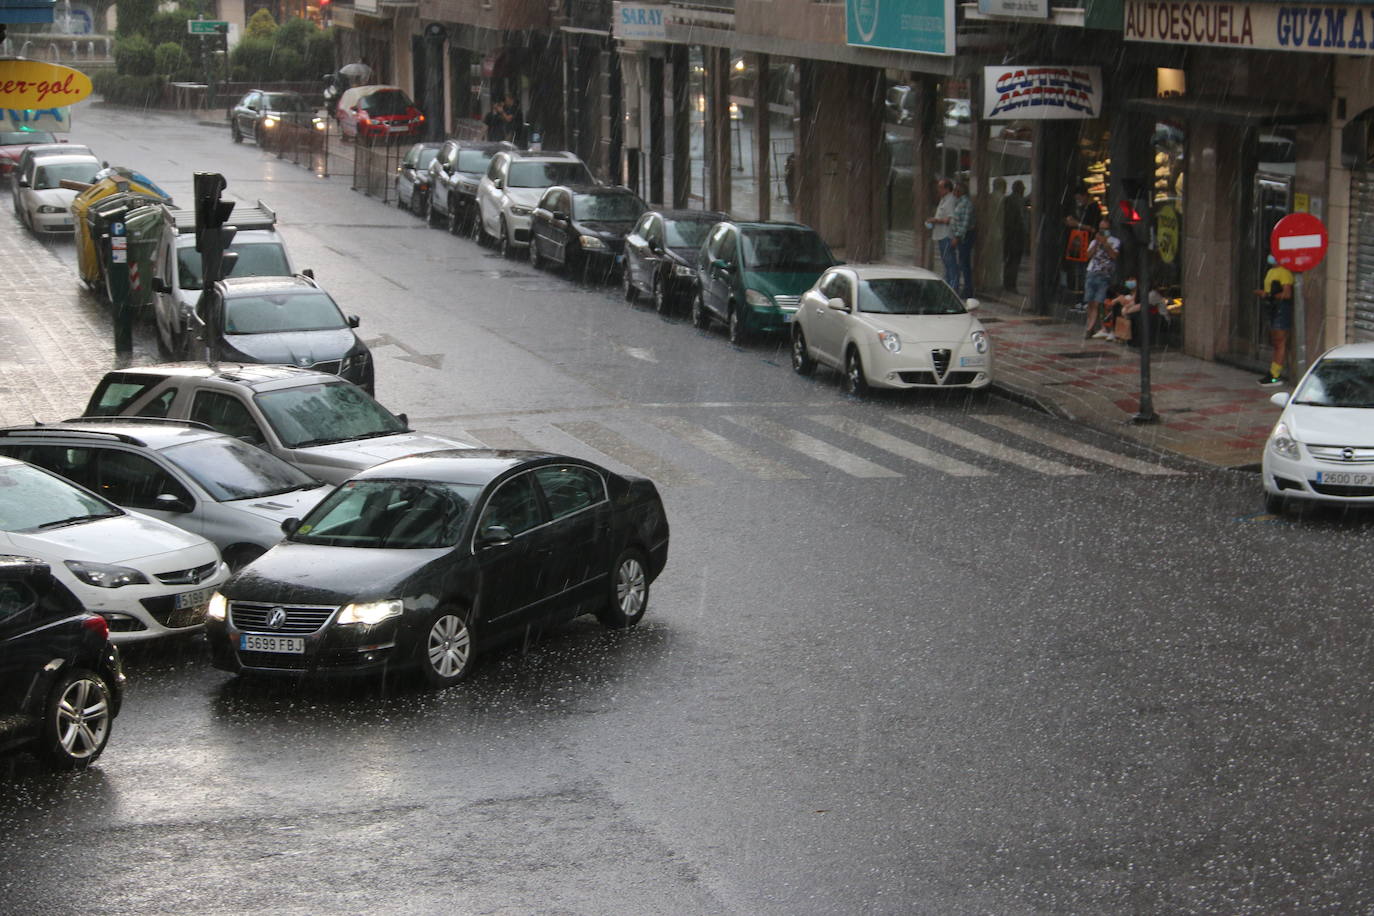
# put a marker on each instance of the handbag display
(1077, 249)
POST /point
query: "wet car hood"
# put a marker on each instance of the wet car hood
(294, 348)
(364, 453)
(123, 539)
(317, 574)
(780, 283)
(602, 227)
(283, 505)
(1336, 426)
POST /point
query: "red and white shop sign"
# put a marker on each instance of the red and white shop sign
(1298, 242)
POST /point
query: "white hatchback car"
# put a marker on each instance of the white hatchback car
(181, 472)
(511, 188)
(890, 327)
(41, 201)
(145, 577)
(1322, 447)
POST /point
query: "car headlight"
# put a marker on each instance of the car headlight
(590, 241)
(980, 341)
(682, 270)
(370, 612)
(218, 608)
(319, 124)
(103, 575)
(756, 299)
(269, 121)
(1283, 443)
(520, 211)
(48, 208)
(353, 361)
(891, 341)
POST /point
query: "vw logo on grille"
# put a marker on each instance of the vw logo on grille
(276, 618)
(1347, 454)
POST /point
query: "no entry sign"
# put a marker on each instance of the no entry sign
(1298, 242)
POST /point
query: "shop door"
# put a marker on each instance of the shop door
(1270, 200)
(1360, 281)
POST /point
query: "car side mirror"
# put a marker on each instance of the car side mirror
(1279, 398)
(405, 420)
(308, 273)
(354, 321)
(496, 536)
(560, 216)
(722, 265)
(169, 502)
(836, 303)
(971, 304)
(499, 183)
(289, 526)
(23, 181)
(161, 286)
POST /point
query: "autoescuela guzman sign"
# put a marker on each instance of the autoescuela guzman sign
(1330, 29)
(1041, 93)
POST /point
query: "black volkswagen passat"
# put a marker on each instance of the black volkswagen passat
(61, 682)
(661, 255)
(583, 226)
(426, 560)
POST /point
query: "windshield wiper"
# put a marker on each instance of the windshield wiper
(75, 520)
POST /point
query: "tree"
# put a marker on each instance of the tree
(134, 17)
(261, 25)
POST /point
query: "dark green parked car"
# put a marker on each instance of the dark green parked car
(751, 275)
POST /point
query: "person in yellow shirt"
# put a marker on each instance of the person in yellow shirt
(1277, 295)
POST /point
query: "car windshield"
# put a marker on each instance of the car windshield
(616, 208)
(33, 500)
(785, 250)
(284, 101)
(25, 137)
(278, 313)
(414, 514)
(685, 233)
(229, 468)
(473, 160)
(427, 154)
(906, 296)
(47, 177)
(255, 259)
(324, 413)
(546, 174)
(1339, 382)
(385, 104)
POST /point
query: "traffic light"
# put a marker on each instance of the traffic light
(1134, 209)
(211, 212)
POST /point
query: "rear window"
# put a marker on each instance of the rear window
(546, 174)
(255, 259)
(382, 104)
(116, 393)
(25, 137)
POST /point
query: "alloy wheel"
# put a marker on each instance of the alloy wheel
(82, 718)
(448, 647)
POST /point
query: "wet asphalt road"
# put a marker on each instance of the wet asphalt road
(863, 686)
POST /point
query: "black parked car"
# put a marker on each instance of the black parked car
(412, 178)
(426, 560)
(287, 320)
(661, 252)
(583, 227)
(61, 683)
(453, 178)
(258, 115)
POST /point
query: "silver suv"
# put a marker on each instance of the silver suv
(327, 427)
(184, 473)
(511, 188)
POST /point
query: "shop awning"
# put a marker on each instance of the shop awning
(1240, 112)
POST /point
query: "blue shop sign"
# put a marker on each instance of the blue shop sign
(921, 26)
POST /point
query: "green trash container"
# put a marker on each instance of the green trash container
(143, 227)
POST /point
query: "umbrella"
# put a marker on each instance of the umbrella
(357, 71)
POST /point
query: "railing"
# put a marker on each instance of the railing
(303, 144)
(375, 165)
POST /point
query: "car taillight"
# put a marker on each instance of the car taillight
(97, 624)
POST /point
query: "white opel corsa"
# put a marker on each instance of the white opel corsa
(1322, 447)
(145, 577)
(890, 327)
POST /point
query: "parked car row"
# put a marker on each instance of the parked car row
(41, 202)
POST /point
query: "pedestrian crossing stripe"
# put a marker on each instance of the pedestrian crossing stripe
(615, 449)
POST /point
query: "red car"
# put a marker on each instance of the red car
(12, 143)
(379, 112)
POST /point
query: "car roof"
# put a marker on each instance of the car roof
(138, 431)
(756, 225)
(695, 216)
(248, 286)
(599, 189)
(542, 155)
(69, 158)
(494, 146)
(889, 272)
(34, 150)
(473, 465)
(255, 376)
(243, 235)
(1350, 351)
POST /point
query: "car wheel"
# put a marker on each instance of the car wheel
(660, 295)
(446, 650)
(76, 721)
(700, 320)
(235, 133)
(503, 242)
(537, 260)
(631, 294)
(855, 382)
(802, 363)
(1274, 504)
(628, 597)
(739, 334)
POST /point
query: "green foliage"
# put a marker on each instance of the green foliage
(319, 54)
(251, 60)
(134, 16)
(261, 25)
(294, 33)
(134, 56)
(123, 89)
(172, 61)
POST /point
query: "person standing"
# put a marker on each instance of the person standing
(1277, 295)
(1083, 215)
(496, 122)
(963, 232)
(940, 231)
(1103, 252)
(990, 256)
(515, 121)
(1013, 235)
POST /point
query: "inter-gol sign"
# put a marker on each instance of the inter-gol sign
(36, 84)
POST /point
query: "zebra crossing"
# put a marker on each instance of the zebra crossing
(693, 445)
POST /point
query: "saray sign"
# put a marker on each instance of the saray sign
(1022, 93)
(34, 84)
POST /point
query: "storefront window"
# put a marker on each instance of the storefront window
(898, 168)
(1166, 266)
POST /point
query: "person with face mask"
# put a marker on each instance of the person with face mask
(1277, 299)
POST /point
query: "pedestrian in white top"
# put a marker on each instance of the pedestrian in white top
(1103, 251)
